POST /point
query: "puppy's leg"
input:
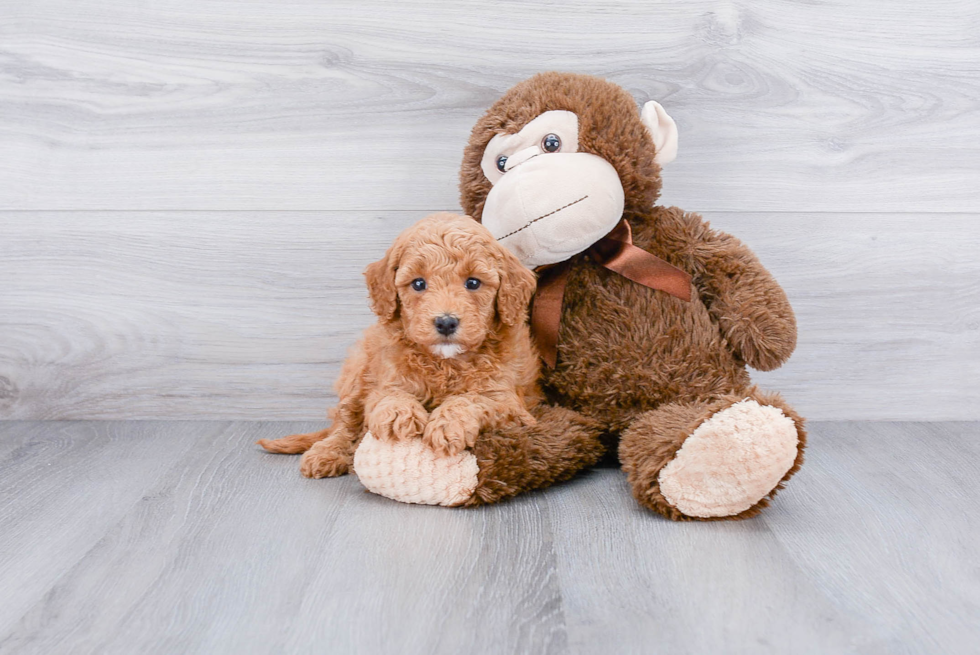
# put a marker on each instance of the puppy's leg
(328, 452)
(348, 413)
(330, 457)
(345, 416)
(454, 425)
(392, 415)
(459, 420)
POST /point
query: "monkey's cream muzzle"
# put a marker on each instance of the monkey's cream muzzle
(549, 207)
(549, 201)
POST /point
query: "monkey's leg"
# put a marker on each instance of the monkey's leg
(503, 463)
(516, 459)
(719, 458)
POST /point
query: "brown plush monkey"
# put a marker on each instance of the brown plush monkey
(650, 316)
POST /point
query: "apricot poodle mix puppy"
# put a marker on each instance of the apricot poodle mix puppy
(450, 356)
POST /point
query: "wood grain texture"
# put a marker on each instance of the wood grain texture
(463, 582)
(248, 315)
(838, 564)
(226, 549)
(177, 315)
(62, 486)
(212, 559)
(687, 588)
(888, 309)
(861, 544)
(304, 104)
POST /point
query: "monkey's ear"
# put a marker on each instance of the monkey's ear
(380, 278)
(663, 129)
(517, 285)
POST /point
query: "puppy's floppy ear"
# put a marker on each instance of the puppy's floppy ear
(517, 285)
(380, 278)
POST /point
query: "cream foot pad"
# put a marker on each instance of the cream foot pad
(731, 461)
(409, 472)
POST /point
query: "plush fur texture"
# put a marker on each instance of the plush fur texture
(730, 461)
(410, 472)
(514, 459)
(471, 390)
(653, 440)
(399, 383)
(635, 361)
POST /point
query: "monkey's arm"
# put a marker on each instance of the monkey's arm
(749, 305)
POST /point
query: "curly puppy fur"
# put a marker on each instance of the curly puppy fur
(405, 379)
(633, 359)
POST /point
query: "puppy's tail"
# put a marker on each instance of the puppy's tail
(294, 443)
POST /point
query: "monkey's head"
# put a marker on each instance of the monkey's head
(552, 165)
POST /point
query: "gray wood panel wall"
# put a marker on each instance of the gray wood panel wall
(189, 191)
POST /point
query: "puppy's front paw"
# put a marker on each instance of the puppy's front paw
(525, 419)
(395, 419)
(452, 429)
(324, 460)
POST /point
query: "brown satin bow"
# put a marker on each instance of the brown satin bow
(616, 252)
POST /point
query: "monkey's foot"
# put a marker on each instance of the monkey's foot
(410, 472)
(731, 461)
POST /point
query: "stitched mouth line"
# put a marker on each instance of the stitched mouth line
(537, 154)
(551, 213)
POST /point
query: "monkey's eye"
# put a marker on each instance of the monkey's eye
(418, 284)
(501, 162)
(551, 143)
(472, 283)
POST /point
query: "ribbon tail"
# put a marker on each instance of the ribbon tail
(546, 312)
(644, 268)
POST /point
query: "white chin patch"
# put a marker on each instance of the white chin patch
(554, 206)
(446, 350)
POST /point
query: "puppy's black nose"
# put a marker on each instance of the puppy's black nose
(446, 324)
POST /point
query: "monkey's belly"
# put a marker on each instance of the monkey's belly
(624, 348)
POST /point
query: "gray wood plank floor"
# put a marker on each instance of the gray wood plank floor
(164, 537)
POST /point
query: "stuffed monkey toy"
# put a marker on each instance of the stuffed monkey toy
(645, 316)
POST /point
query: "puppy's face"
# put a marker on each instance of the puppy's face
(448, 284)
(447, 295)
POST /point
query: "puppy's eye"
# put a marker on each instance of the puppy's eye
(473, 284)
(551, 143)
(418, 284)
(501, 162)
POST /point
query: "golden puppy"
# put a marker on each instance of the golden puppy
(450, 356)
